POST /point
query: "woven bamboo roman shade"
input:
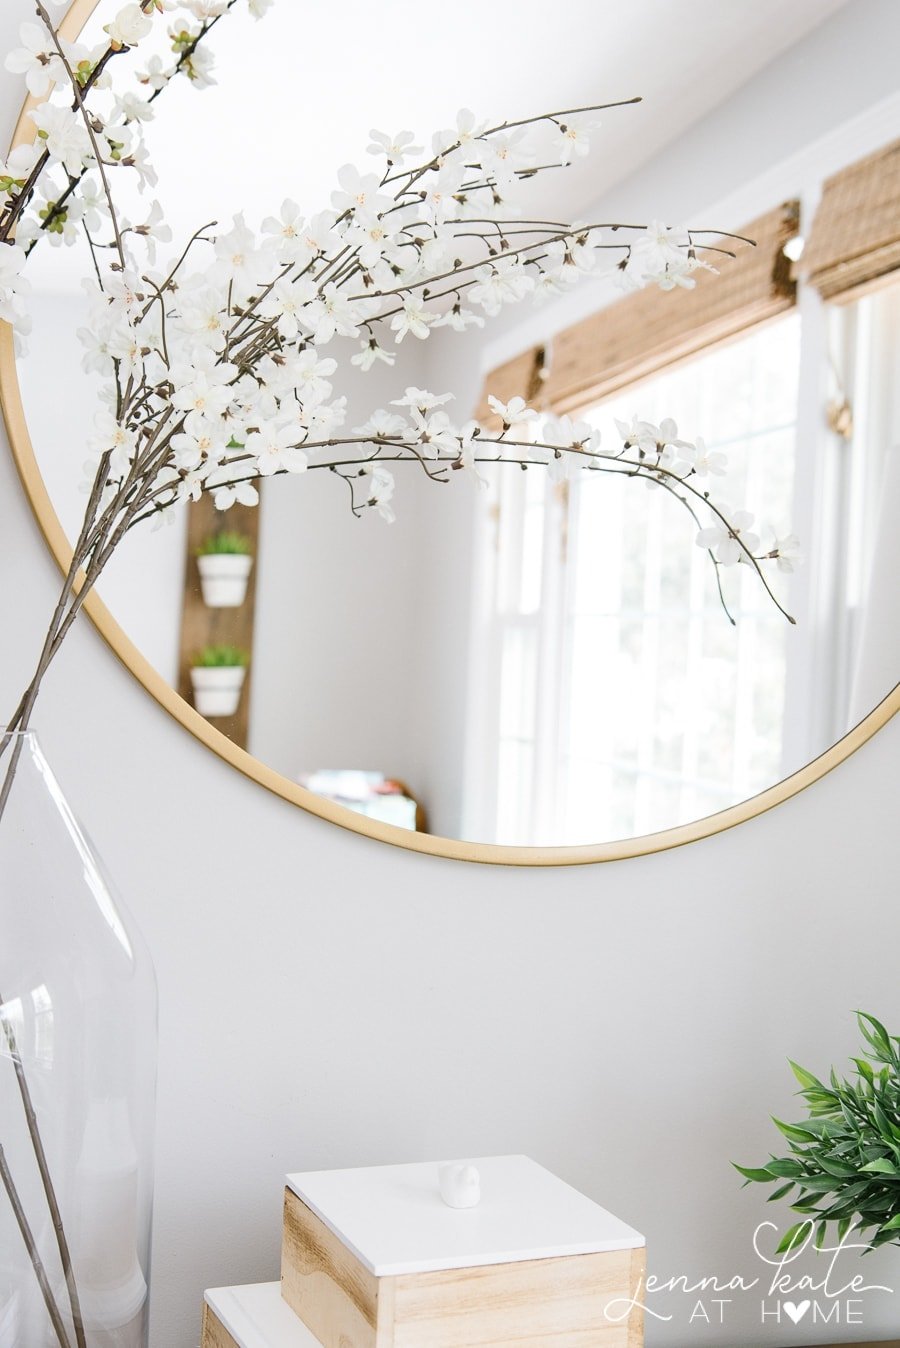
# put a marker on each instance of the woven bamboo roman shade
(641, 334)
(518, 378)
(855, 236)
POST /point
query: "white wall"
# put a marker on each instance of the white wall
(329, 1001)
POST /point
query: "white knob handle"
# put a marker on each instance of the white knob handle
(460, 1185)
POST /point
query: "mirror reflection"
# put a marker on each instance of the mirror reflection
(526, 660)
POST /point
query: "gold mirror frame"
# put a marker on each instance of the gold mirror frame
(490, 853)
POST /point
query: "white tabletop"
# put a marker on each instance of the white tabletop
(257, 1317)
(394, 1221)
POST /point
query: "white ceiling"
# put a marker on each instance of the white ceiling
(298, 91)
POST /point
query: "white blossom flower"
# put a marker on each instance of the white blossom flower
(505, 154)
(512, 413)
(413, 318)
(323, 419)
(94, 203)
(227, 491)
(787, 552)
(640, 435)
(702, 461)
(249, 406)
(309, 374)
(204, 318)
(157, 74)
(573, 256)
(382, 425)
(64, 135)
(14, 173)
(663, 256)
(549, 284)
(439, 192)
(128, 27)
(154, 230)
(203, 385)
(317, 238)
(460, 137)
(458, 318)
(259, 7)
(275, 450)
(199, 67)
(287, 231)
(359, 192)
(394, 148)
(421, 400)
(332, 313)
(37, 59)
(433, 254)
(130, 107)
(139, 160)
(111, 437)
(375, 236)
(667, 436)
(574, 139)
(123, 292)
(432, 433)
(468, 451)
(498, 283)
(60, 226)
(287, 302)
(380, 491)
(13, 286)
(729, 542)
(97, 357)
(239, 261)
(562, 467)
(370, 352)
(568, 434)
(126, 346)
(204, 10)
(203, 444)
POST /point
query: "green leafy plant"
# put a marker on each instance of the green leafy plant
(220, 657)
(226, 542)
(845, 1157)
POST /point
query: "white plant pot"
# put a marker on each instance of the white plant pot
(223, 578)
(217, 691)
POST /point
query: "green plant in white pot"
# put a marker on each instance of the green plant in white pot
(217, 675)
(224, 561)
(844, 1166)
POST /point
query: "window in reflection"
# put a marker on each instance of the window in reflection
(626, 702)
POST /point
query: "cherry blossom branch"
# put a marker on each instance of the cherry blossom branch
(18, 203)
(89, 127)
(415, 174)
(58, 207)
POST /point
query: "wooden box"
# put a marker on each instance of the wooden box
(372, 1258)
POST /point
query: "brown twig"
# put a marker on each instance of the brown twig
(33, 1253)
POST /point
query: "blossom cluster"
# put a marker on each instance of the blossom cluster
(216, 370)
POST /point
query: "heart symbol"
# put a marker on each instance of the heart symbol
(796, 1312)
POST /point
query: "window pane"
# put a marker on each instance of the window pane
(669, 712)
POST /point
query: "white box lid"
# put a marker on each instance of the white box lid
(256, 1317)
(393, 1219)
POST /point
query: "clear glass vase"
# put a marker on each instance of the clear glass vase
(77, 1080)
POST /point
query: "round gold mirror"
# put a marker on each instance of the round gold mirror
(526, 671)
